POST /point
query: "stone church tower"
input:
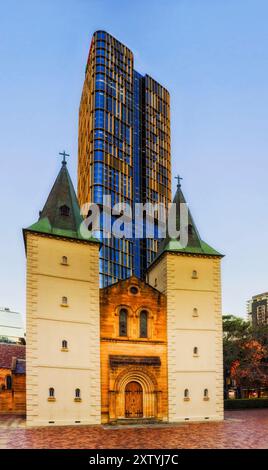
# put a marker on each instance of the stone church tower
(190, 278)
(63, 346)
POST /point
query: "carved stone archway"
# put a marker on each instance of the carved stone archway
(149, 389)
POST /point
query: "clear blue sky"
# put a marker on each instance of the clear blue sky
(213, 58)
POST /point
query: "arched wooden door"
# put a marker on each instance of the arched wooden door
(133, 400)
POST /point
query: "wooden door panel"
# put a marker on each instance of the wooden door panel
(133, 400)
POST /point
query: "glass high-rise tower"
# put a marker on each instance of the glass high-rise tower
(124, 148)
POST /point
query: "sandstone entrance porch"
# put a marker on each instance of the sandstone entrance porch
(133, 389)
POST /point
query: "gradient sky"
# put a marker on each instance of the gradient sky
(213, 58)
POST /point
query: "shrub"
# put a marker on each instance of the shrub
(245, 403)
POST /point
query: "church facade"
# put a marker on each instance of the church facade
(133, 345)
(136, 350)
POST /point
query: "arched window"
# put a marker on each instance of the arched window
(205, 393)
(123, 322)
(194, 274)
(9, 382)
(64, 211)
(186, 393)
(64, 260)
(143, 324)
(195, 351)
(64, 344)
(77, 393)
(155, 282)
(51, 392)
(64, 301)
(195, 312)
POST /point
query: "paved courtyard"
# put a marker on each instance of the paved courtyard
(241, 429)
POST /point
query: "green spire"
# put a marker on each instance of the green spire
(195, 244)
(61, 213)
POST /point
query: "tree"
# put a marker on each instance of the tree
(5, 339)
(235, 327)
(249, 370)
(260, 333)
(245, 353)
(235, 332)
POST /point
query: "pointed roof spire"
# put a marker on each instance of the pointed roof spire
(195, 244)
(61, 213)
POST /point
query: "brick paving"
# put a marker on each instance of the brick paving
(240, 429)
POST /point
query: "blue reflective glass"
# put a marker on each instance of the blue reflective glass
(100, 76)
(101, 43)
(98, 194)
(98, 155)
(99, 144)
(100, 52)
(98, 173)
(116, 270)
(105, 266)
(99, 134)
(128, 135)
(101, 34)
(99, 118)
(109, 103)
(100, 85)
(99, 99)
(100, 68)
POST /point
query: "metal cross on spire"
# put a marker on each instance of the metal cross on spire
(179, 180)
(64, 154)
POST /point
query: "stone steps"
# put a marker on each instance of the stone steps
(134, 421)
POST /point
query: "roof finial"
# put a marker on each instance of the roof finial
(64, 154)
(179, 181)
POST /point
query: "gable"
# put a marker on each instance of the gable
(125, 287)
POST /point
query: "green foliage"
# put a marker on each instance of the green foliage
(5, 339)
(235, 332)
(235, 328)
(245, 352)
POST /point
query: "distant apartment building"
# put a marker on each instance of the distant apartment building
(11, 326)
(257, 309)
